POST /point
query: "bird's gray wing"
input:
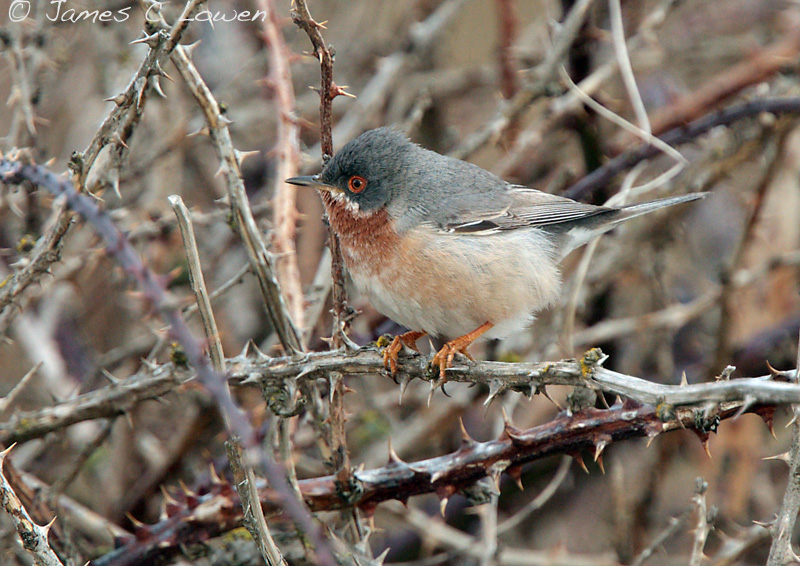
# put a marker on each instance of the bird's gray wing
(518, 207)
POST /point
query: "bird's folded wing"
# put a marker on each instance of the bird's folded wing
(517, 208)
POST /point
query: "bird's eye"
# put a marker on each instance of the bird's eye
(357, 183)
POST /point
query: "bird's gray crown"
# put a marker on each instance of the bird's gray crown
(382, 157)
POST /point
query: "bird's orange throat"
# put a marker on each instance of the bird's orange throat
(366, 238)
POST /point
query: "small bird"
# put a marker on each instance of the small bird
(446, 248)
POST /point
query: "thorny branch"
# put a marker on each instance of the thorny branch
(591, 431)
(327, 92)
(120, 248)
(287, 154)
(33, 536)
(781, 551)
(286, 374)
(334, 427)
(679, 136)
(260, 259)
(537, 86)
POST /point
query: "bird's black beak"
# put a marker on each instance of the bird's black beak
(312, 181)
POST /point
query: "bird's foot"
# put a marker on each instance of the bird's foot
(443, 359)
(392, 351)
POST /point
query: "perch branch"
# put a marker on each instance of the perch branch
(589, 430)
(276, 373)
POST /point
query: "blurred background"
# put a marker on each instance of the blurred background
(687, 291)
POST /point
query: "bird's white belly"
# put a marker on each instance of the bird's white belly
(448, 285)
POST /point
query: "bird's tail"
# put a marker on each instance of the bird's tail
(635, 210)
(608, 220)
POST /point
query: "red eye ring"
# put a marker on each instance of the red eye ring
(357, 183)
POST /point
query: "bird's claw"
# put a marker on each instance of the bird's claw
(443, 359)
(390, 355)
(392, 352)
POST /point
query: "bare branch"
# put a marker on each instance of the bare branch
(198, 282)
(33, 537)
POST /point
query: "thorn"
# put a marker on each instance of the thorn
(772, 371)
(140, 84)
(466, 439)
(246, 350)
(202, 131)
(495, 476)
(117, 139)
(135, 522)
(221, 170)
(162, 73)
(443, 505)
(684, 381)
(515, 472)
(579, 460)
(747, 402)
(436, 476)
(156, 84)
(495, 388)
(188, 492)
(261, 355)
(785, 457)
(5, 453)
(212, 471)
(110, 377)
(766, 525)
(167, 497)
(46, 528)
(119, 100)
(404, 381)
(242, 155)
(543, 390)
(337, 90)
(506, 420)
(430, 394)
(394, 459)
(767, 415)
(189, 48)
(150, 40)
(599, 460)
(598, 449)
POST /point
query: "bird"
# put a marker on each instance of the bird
(447, 249)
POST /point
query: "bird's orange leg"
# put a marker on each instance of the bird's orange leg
(391, 351)
(444, 357)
